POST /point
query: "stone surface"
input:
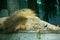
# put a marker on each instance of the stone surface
(32, 35)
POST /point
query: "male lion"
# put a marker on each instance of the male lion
(25, 19)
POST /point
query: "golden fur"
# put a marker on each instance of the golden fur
(18, 20)
(24, 19)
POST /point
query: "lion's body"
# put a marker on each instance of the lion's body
(24, 19)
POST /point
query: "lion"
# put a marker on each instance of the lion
(24, 19)
(18, 20)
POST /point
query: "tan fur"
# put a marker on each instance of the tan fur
(18, 20)
(24, 19)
